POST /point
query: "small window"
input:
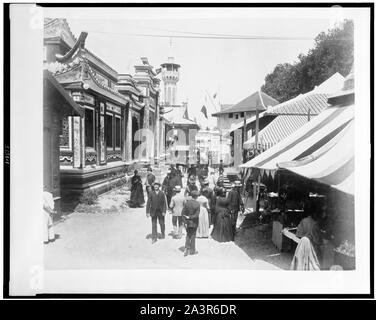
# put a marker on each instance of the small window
(230, 115)
(242, 114)
(237, 116)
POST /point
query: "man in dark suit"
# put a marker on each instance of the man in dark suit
(191, 213)
(156, 209)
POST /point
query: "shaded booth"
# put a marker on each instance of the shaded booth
(317, 160)
(57, 104)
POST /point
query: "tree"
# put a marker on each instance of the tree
(333, 52)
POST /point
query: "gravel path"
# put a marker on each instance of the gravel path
(117, 237)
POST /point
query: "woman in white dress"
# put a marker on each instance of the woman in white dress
(203, 222)
(48, 211)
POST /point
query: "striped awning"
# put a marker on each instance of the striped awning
(277, 130)
(306, 140)
(332, 164)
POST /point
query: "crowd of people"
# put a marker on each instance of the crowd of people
(204, 209)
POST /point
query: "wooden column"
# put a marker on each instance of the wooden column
(123, 133)
(256, 187)
(77, 153)
(97, 131)
(162, 137)
(128, 135)
(156, 133)
(145, 125)
(83, 147)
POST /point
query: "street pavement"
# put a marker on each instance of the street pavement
(114, 236)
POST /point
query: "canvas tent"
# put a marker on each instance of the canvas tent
(331, 130)
(322, 150)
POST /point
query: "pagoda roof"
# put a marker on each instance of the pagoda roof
(256, 101)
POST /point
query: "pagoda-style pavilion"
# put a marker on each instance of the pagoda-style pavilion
(96, 149)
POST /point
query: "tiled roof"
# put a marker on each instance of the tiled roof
(315, 102)
(176, 112)
(178, 115)
(277, 130)
(251, 103)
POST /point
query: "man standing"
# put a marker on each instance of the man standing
(235, 202)
(150, 179)
(177, 204)
(156, 209)
(191, 213)
(221, 169)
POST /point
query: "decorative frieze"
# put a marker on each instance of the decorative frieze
(65, 159)
(114, 156)
(113, 108)
(90, 157)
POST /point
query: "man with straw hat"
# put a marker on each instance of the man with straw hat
(176, 205)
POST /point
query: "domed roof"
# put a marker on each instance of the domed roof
(170, 61)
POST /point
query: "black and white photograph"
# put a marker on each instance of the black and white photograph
(200, 150)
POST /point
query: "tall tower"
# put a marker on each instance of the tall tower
(170, 77)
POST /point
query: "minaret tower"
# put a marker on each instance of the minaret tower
(170, 77)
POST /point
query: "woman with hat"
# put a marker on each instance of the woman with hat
(223, 228)
(137, 199)
(203, 220)
(235, 202)
(176, 205)
(207, 192)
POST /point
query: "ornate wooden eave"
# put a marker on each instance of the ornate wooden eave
(95, 85)
(58, 31)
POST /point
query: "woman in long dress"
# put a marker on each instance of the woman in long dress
(137, 199)
(223, 229)
(203, 221)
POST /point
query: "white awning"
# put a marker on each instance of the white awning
(332, 164)
(306, 140)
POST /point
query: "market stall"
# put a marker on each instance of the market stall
(317, 159)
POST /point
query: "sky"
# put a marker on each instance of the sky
(232, 68)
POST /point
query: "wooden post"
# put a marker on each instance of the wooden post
(256, 188)
(128, 136)
(244, 136)
(257, 130)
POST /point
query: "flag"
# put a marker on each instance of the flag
(215, 95)
(204, 111)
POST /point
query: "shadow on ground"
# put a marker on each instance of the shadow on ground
(256, 242)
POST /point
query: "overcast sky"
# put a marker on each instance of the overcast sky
(232, 68)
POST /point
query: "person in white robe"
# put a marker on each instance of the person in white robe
(48, 211)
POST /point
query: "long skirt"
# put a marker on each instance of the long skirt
(48, 232)
(137, 196)
(223, 228)
(203, 224)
